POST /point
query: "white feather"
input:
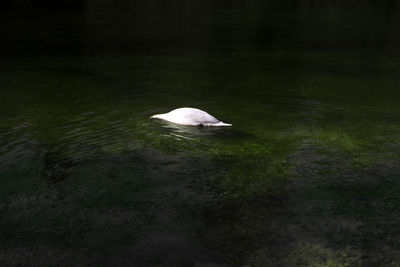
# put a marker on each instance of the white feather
(190, 116)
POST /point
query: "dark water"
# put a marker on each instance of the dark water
(307, 176)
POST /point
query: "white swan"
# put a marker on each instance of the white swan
(190, 116)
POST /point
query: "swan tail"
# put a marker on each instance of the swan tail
(220, 123)
(157, 116)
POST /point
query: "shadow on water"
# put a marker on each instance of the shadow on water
(56, 169)
(61, 5)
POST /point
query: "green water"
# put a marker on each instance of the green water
(307, 176)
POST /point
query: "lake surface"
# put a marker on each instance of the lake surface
(309, 174)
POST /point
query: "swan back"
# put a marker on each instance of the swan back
(190, 116)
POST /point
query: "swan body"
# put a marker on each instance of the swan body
(190, 116)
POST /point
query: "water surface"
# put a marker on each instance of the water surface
(308, 173)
